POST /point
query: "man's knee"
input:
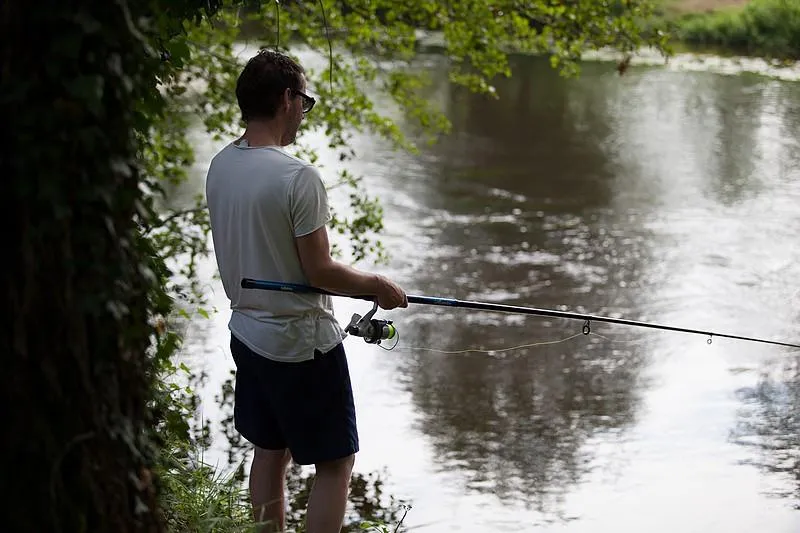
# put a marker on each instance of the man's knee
(342, 467)
(276, 460)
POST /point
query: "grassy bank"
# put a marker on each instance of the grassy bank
(768, 28)
(196, 498)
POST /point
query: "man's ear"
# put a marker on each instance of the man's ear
(287, 98)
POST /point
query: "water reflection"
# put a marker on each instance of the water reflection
(663, 196)
(518, 426)
(521, 193)
(542, 139)
(743, 158)
(517, 208)
(769, 422)
(573, 194)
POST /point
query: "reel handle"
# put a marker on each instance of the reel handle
(372, 330)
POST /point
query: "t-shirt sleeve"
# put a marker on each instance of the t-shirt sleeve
(308, 202)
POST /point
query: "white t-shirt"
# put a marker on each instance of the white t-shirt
(259, 200)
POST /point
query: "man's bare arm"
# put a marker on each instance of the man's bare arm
(326, 273)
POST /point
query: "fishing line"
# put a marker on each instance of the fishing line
(330, 44)
(278, 19)
(502, 350)
(488, 352)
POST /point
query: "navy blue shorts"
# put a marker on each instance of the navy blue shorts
(306, 407)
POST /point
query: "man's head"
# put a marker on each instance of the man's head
(271, 88)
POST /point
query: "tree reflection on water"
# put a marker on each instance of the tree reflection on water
(769, 422)
(519, 426)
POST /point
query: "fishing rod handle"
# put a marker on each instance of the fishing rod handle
(285, 286)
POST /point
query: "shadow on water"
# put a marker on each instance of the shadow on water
(769, 423)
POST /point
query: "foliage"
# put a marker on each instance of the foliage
(363, 49)
(367, 506)
(770, 28)
(384, 527)
(365, 78)
(103, 262)
(366, 48)
(84, 285)
(197, 498)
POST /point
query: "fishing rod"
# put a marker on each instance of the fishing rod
(374, 330)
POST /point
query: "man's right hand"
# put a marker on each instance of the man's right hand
(389, 294)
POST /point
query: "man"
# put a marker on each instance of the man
(293, 398)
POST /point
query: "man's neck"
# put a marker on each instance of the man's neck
(267, 133)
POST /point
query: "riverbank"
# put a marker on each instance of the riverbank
(764, 28)
(701, 6)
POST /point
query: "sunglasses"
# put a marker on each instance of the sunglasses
(308, 101)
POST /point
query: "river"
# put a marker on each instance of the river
(665, 195)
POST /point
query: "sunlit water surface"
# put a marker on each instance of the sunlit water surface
(670, 196)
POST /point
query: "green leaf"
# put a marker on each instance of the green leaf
(179, 52)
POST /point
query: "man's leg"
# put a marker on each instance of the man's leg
(328, 500)
(267, 479)
(317, 416)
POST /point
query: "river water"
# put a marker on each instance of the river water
(664, 195)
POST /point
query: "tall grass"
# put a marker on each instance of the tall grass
(769, 28)
(197, 498)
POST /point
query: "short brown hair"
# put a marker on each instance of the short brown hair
(262, 82)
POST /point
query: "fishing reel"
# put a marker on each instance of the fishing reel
(372, 330)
